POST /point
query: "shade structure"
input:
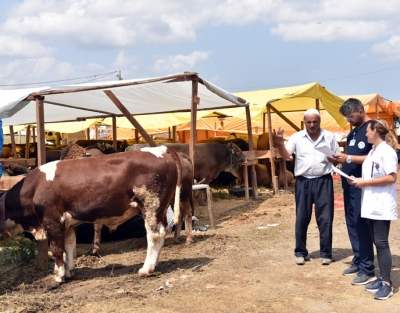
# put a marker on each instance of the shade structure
(172, 93)
(292, 99)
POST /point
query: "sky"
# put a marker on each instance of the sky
(350, 47)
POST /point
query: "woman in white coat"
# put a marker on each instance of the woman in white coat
(379, 199)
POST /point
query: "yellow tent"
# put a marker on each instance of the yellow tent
(291, 99)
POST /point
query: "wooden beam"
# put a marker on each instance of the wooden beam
(136, 136)
(41, 145)
(13, 146)
(281, 116)
(56, 92)
(130, 118)
(271, 142)
(114, 132)
(27, 141)
(173, 133)
(42, 245)
(253, 169)
(193, 117)
(78, 108)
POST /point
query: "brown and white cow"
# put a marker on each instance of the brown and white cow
(56, 197)
(186, 205)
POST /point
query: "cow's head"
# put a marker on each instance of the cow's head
(237, 157)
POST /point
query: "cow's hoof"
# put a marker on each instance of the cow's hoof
(59, 279)
(189, 241)
(70, 274)
(143, 272)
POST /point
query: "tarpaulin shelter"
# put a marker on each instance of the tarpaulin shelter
(185, 92)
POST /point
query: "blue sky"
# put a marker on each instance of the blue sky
(351, 47)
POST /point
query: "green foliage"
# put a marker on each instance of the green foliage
(20, 249)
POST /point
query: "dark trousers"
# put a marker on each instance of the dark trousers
(380, 235)
(318, 191)
(359, 232)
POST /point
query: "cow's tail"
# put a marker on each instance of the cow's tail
(177, 209)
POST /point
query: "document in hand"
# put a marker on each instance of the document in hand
(336, 170)
(325, 150)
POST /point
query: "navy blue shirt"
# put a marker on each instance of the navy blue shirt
(360, 147)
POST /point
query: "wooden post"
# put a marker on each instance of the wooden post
(33, 134)
(87, 133)
(173, 133)
(42, 245)
(13, 147)
(130, 118)
(193, 118)
(114, 132)
(136, 136)
(271, 146)
(263, 122)
(317, 104)
(27, 141)
(253, 167)
(58, 138)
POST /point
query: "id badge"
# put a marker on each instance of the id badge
(352, 142)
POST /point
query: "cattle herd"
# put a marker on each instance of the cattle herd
(96, 185)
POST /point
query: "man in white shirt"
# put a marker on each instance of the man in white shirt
(314, 184)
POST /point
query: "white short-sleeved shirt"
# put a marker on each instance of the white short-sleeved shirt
(310, 162)
(379, 202)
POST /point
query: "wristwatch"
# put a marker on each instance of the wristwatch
(348, 160)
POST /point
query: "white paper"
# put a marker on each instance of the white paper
(325, 150)
(336, 170)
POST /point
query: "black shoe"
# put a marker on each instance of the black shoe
(362, 279)
(352, 270)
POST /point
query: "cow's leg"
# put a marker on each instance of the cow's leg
(155, 241)
(178, 228)
(56, 235)
(70, 251)
(96, 239)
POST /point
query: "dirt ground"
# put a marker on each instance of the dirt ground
(245, 265)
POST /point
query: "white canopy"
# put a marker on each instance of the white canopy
(171, 93)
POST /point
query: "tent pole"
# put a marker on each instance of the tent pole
(13, 147)
(263, 122)
(193, 117)
(271, 146)
(174, 134)
(253, 167)
(41, 159)
(130, 118)
(136, 136)
(27, 141)
(317, 104)
(114, 132)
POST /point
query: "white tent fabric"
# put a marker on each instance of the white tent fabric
(139, 96)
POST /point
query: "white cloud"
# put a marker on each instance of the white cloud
(11, 46)
(127, 24)
(387, 50)
(42, 70)
(330, 31)
(180, 62)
